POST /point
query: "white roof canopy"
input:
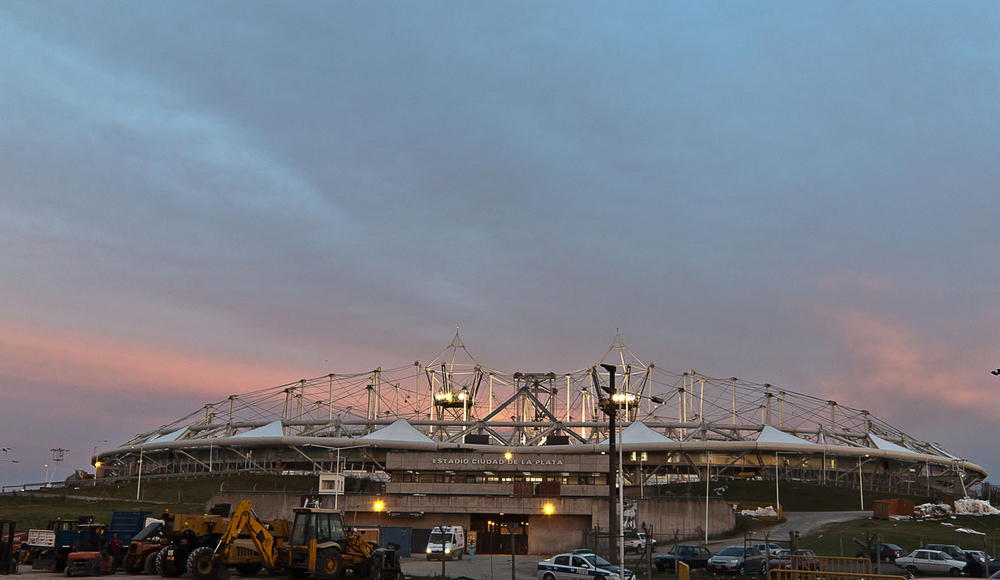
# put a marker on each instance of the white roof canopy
(771, 435)
(272, 429)
(401, 430)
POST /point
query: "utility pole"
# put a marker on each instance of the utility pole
(611, 408)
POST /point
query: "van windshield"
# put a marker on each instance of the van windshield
(441, 537)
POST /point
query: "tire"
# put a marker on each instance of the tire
(661, 567)
(167, 569)
(329, 564)
(742, 570)
(132, 564)
(149, 564)
(200, 564)
(954, 572)
(763, 569)
(248, 569)
(548, 576)
(911, 571)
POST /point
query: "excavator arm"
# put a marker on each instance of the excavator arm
(263, 539)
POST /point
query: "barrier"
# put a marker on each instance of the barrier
(778, 574)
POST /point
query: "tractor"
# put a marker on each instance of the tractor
(317, 545)
(90, 556)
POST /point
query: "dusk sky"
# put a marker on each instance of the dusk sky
(206, 198)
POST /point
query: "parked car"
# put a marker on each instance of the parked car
(636, 542)
(580, 566)
(887, 553)
(769, 550)
(740, 560)
(933, 562)
(693, 556)
(799, 560)
(952, 550)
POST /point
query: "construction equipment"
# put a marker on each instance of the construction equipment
(317, 544)
(247, 544)
(90, 556)
(386, 565)
(142, 550)
(46, 549)
(183, 534)
(8, 559)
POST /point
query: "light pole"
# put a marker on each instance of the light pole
(138, 484)
(610, 407)
(336, 471)
(861, 483)
(379, 505)
(777, 492)
(97, 462)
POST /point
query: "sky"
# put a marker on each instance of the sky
(206, 198)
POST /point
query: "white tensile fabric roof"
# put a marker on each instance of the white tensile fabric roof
(887, 445)
(401, 430)
(272, 429)
(172, 436)
(771, 435)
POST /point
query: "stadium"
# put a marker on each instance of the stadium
(452, 435)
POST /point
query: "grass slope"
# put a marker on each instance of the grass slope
(179, 495)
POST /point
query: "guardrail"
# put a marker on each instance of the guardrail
(827, 574)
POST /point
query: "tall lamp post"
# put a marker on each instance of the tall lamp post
(610, 407)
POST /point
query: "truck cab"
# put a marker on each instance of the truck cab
(446, 543)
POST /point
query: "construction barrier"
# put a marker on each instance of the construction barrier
(778, 574)
(683, 571)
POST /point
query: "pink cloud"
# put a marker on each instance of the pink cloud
(38, 355)
(891, 367)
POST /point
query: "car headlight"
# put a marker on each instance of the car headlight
(428, 550)
(447, 550)
(733, 562)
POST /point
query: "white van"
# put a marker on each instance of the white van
(446, 543)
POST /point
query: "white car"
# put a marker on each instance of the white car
(636, 542)
(580, 566)
(931, 562)
(769, 549)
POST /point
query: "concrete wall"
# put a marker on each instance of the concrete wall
(549, 534)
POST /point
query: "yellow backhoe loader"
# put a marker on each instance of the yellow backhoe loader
(317, 545)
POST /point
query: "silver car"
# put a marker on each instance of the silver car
(933, 562)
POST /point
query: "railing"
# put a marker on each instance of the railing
(829, 568)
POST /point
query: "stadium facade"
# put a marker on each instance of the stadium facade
(455, 439)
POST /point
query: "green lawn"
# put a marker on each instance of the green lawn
(909, 534)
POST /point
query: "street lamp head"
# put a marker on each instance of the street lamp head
(549, 509)
(379, 505)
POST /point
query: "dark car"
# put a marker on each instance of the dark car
(798, 560)
(693, 556)
(888, 553)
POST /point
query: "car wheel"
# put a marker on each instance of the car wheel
(911, 571)
(954, 572)
(763, 568)
(742, 570)
(548, 577)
